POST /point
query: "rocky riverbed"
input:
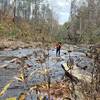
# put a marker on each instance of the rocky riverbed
(35, 61)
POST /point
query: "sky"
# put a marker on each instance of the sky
(61, 9)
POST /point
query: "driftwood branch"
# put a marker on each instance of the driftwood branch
(70, 76)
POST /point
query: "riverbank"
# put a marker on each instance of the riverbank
(13, 44)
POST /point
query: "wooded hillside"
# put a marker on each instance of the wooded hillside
(27, 19)
(84, 23)
(34, 20)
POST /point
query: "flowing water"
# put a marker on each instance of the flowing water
(51, 61)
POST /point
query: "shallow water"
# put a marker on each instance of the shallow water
(52, 62)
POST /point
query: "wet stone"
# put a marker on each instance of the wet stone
(52, 62)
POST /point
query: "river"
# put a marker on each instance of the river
(51, 62)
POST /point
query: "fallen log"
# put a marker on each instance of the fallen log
(11, 61)
(70, 76)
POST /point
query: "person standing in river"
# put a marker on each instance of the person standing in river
(58, 47)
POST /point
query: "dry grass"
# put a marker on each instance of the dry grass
(24, 30)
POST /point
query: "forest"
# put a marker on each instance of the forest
(34, 20)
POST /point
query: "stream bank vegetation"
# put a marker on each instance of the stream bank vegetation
(33, 20)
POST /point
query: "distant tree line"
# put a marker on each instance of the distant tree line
(84, 23)
(36, 12)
